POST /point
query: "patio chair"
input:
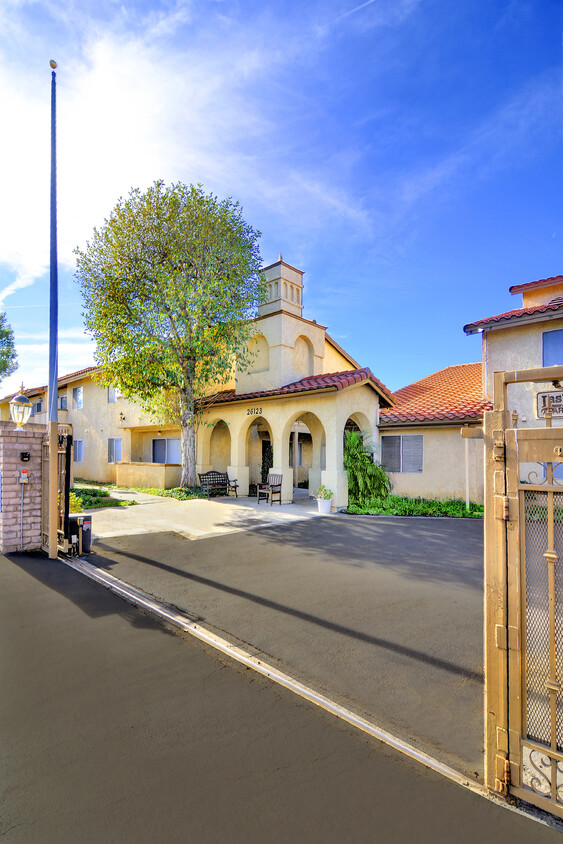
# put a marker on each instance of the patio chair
(272, 488)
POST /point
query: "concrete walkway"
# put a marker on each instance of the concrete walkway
(195, 519)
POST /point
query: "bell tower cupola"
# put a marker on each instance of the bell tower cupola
(284, 289)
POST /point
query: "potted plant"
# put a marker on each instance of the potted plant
(324, 499)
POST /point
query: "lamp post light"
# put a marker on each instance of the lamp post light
(20, 408)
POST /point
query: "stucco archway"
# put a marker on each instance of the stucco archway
(304, 449)
(220, 446)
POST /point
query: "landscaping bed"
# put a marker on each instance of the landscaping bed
(396, 505)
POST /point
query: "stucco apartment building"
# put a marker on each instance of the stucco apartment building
(420, 435)
(301, 394)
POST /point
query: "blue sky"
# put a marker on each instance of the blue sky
(406, 154)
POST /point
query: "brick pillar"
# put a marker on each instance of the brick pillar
(12, 527)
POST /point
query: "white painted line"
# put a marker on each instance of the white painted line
(184, 622)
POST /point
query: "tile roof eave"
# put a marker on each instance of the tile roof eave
(524, 316)
(412, 420)
(312, 384)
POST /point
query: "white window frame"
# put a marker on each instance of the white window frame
(78, 397)
(78, 453)
(165, 440)
(112, 396)
(543, 334)
(62, 401)
(112, 449)
(37, 407)
(401, 469)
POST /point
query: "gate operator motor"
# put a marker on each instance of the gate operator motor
(23, 478)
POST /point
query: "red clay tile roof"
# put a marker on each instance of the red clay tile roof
(327, 381)
(512, 316)
(542, 282)
(33, 390)
(455, 392)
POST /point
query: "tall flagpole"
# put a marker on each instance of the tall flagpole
(53, 416)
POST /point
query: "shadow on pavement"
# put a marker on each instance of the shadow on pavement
(55, 575)
(434, 549)
(107, 563)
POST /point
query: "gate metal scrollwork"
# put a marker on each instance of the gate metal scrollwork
(524, 603)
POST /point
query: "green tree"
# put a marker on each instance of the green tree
(170, 283)
(366, 479)
(8, 356)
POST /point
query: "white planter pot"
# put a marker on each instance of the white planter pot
(324, 504)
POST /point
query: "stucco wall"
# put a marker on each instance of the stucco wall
(156, 475)
(333, 360)
(443, 474)
(281, 332)
(518, 347)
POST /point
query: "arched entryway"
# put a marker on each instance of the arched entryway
(220, 446)
(305, 447)
(259, 450)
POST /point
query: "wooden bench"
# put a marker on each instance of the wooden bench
(217, 482)
(270, 489)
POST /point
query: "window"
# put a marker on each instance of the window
(552, 347)
(37, 407)
(166, 450)
(63, 402)
(78, 450)
(114, 393)
(114, 449)
(77, 398)
(402, 453)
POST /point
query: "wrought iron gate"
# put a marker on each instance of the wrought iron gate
(524, 614)
(64, 475)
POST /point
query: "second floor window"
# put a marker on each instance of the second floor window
(77, 398)
(114, 449)
(552, 347)
(37, 407)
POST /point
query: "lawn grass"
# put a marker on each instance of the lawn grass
(180, 493)
(92, 498)
(396, 505)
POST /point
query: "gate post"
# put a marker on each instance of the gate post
(495, 423)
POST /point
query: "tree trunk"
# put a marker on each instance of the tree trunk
(187, 437)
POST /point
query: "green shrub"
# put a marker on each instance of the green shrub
(75, 504)
(181, 493)
(395, 505)
(366, 479)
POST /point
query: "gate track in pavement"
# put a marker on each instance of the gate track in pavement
(382, 616)
(171, 616)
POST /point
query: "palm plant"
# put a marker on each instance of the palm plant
(366, 480)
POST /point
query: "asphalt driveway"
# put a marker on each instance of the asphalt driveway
(384, 615)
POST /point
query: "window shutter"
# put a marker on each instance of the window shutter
(391, 453)
(412, 453)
